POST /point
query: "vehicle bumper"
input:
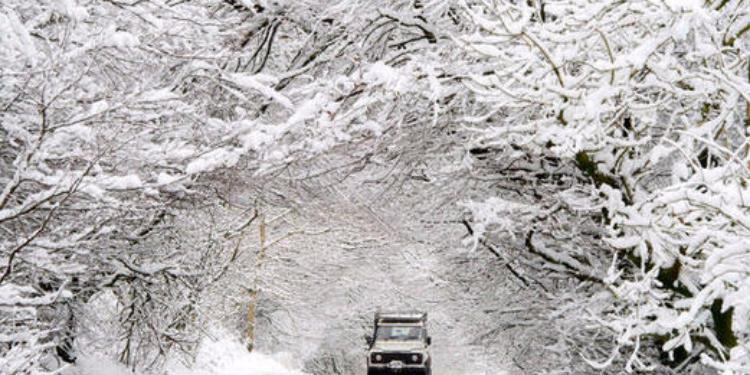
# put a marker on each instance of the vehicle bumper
(406, 370)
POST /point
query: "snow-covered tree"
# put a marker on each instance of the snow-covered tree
(98, 143)
(112, 112)
(648, 101)
(598, 147)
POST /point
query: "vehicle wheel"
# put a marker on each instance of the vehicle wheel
(372, 371)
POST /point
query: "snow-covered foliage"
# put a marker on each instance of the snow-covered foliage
(649, 101)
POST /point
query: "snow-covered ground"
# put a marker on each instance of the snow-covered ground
(229, 357)
(220, 356)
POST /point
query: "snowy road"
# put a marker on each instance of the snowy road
(222, 357)
(320, 291)
(228, 357)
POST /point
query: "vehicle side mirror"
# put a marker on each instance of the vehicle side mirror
(429, 340)
(368, 339)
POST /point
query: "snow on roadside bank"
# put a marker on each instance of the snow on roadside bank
(229, 357)
(96, 365)
(220, 357)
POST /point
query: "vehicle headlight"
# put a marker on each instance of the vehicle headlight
(378, 357)
(416, 358)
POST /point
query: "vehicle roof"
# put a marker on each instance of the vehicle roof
(401, 317)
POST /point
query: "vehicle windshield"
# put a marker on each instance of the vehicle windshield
(399, 333)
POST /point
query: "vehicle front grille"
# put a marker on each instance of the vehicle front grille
(390, 357)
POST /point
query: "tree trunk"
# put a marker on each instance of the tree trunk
(255, 291)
